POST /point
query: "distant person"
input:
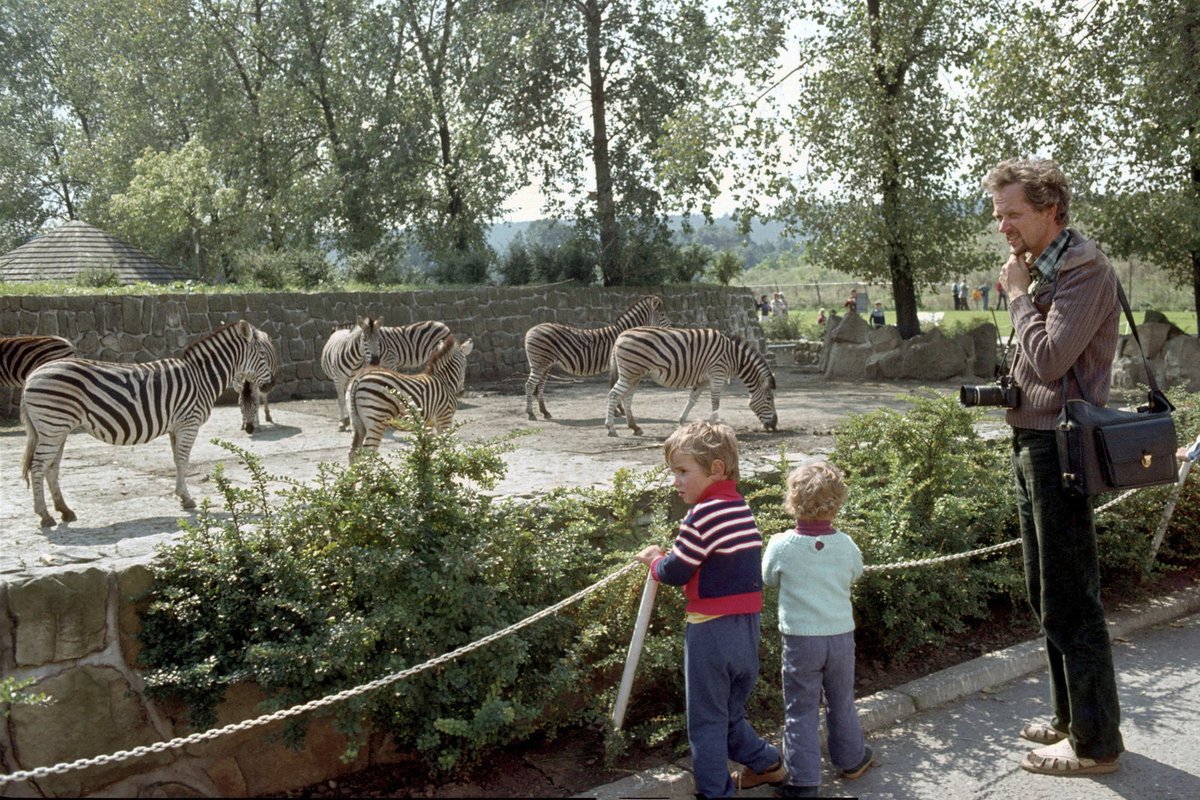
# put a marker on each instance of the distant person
(976, 296)
(851, 303)
(1001, 297)
(954, 295)
(984, 288)
(877, 318)
(764, 307)
(821, 317)
(779, 306)
(813, 566)
(717, 558)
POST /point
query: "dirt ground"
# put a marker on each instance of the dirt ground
(126, 493)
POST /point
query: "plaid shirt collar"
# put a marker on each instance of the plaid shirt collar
(1045, 268)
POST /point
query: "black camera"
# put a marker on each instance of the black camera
(1004, 393)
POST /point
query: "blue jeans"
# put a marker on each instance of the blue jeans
(810, 664)
(1062, 576)
(720, 665)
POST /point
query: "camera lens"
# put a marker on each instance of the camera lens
(968, 395)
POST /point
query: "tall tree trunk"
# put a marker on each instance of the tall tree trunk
(1196, 253)
(606, 209)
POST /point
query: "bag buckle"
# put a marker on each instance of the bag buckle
(1147, 458)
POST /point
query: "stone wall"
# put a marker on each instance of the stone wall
(149, 327)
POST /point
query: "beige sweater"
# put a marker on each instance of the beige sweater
(1078, 328)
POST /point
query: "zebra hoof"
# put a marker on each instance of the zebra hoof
(612, 434)
(532, 417)
(67, 514)
(48, 522)
(187, 504)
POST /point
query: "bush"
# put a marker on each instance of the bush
(464, 268)
(97, 278)
(280, 269)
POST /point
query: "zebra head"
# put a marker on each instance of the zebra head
(369, 339)
(257, 376)
(756, 373)
(648, 311)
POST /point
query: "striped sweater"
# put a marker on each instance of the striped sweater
(717, 556)
(1078, 328)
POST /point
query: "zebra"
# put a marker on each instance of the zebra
(396, 348)
(377, 394)
(695, 358)
(132, 404)
(21, 355)
(253, 395)
(580, 351)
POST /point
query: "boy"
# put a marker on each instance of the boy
(814, 567)
(716, 558)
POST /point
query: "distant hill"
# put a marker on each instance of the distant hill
(768, 234)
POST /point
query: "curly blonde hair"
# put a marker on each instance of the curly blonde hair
(1044, 183)
(816, 490)
(706, 442)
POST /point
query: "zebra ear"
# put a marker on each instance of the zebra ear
(245, 329)
(465, 348)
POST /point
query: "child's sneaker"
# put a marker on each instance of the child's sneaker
(746, 778)
(864, 765)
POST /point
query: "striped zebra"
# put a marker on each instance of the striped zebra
(132, 404)
(253, 395)
(580, 351)
(688, 358)
(377, 394)
(21, 355)
(404, 347)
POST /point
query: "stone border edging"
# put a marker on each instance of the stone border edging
(887, 707)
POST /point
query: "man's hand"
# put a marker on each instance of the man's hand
(1014, 276)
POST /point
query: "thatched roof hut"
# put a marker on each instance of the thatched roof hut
(62, 253)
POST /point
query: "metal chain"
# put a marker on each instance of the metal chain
(245, 725)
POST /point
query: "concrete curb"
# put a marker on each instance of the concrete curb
(890, 706)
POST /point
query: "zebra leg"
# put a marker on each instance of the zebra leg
(693, 396)
(627, 401)
(534, 387)
(55, 490)
(715, 390)
(36, 476)
(181, 447)
(614, 397)
(339, 386)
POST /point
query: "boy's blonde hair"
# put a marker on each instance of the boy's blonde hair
(815, 490)
(706, 442)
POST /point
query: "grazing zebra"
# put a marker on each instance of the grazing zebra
(253, 395)
(377, 395)
(396, 348)
(692, 358)
(580, 351)
(132, 404)
(21, 355)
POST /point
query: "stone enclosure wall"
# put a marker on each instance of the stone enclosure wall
(73, 630)
(149, 327)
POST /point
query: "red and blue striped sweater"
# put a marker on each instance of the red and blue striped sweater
(717, 556)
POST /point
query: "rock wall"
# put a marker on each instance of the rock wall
(149, 327)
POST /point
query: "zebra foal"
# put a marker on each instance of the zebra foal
(253, 395)
(396, 348)
(688, 358)
(21, 355)
(377, 394)
(132, 404)
(580, 351)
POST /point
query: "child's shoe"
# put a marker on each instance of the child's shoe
(746, 778)
(862, 766)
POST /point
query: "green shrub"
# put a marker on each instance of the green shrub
(97, 278)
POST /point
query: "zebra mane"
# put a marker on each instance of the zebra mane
(215, 333)
(754, 358)
(443, 351)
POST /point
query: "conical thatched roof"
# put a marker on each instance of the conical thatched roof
(62, 253)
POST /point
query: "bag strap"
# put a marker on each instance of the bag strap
(1150, 381)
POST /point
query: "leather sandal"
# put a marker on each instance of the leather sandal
(1060, 759)
(1042, 733)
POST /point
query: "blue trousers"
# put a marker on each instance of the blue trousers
(812, 664)
(720, 664)
(1062, 576)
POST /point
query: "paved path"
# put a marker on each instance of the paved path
(968, 748)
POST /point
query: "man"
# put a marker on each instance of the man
(1062, 299)
(877, 317)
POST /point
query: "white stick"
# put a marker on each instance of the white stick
(1168, 511)
(635, 650)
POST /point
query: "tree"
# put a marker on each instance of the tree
(881, 196)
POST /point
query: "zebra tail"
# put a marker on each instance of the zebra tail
(356, 422)
(31, 442)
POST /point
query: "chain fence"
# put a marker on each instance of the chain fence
(346, 694)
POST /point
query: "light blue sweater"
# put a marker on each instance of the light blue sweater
(814, 583)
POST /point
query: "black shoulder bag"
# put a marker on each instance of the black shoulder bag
(1107, 450)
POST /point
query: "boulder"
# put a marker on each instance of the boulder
(1181, 362)
(853, 329)
(847, 361)
(934, 357)
(983, 353)
(885, 339)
